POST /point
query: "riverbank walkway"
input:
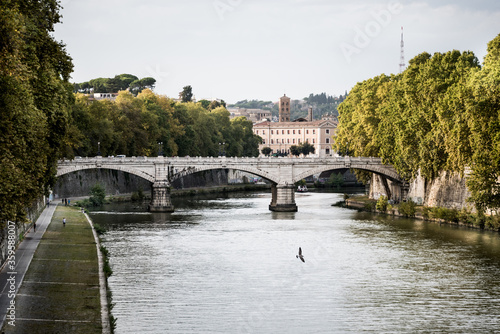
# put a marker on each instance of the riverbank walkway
(60, 292)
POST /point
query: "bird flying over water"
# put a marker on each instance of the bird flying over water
(300, 256)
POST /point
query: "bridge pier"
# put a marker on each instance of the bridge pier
(283, 198)
(160, 197)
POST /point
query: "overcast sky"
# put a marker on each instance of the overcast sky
(261, 49)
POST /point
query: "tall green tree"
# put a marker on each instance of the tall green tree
(34, 98)
(440, 114)
(187, 94)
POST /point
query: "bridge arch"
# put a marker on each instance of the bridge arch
(243, 168)
(390, 174)
(131, 170)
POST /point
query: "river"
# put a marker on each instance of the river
(226, 264)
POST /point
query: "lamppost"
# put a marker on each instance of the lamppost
(98, 148)
(160, 149)
(223, 149)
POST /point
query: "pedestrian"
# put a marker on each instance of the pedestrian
(64, 221)
(34, 227)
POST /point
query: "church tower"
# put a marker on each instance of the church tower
(284, 115)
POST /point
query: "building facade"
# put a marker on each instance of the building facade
(280, 136)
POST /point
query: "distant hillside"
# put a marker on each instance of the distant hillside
(322, 104)
(253, 104)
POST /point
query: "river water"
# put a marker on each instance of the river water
(228, 265)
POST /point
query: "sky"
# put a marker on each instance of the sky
(261, 49)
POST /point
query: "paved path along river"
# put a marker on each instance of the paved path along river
(60, 289)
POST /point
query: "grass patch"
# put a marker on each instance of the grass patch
(62, 281)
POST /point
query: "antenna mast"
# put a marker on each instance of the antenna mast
(402, 64)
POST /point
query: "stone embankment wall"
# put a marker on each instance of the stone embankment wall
(18, 229)
(78, 184)
(447, 190)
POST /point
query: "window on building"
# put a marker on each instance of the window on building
(272, 132)
(257, 132)
(314, 132)
(314, 140)
(307, 140)
(263, 141)
(293, 131)
(328, 140)
(327, 131)
(272, 141)
(299, 132)
(307, 132)
(263, 132)
(283, 140)
(299, 141)
(288, 131)
(327, 151)
(282, 132)
(288, 141)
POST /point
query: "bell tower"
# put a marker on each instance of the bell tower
(284, 115)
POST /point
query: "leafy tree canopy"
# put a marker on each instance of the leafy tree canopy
(113, 85)
(441, 114)
(34, 99)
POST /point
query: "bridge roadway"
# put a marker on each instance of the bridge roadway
(282, 172)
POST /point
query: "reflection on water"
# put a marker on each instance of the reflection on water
(226, 264)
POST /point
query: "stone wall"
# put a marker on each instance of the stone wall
(19, 228)
(447, 190)
(78, 184)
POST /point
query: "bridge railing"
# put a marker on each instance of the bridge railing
(185, 160)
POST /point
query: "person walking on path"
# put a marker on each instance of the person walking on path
(64, 221)
(34, 227)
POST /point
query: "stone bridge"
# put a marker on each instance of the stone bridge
(282, 172)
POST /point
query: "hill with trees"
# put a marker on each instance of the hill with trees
(441, 114)
(113, 85)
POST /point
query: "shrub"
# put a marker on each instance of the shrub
(382, 204)
(370, 206)
(407, 208)
(480, 220)
(336, 180)
(99, 229)
(426, 212)
(97, 195)
(492, 222)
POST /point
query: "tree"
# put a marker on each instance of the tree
(266, 151)
(34, 99)
(97, 195)
(307, 148)
(295, 150)
(187, 94)
(204, 103)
